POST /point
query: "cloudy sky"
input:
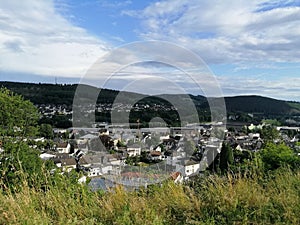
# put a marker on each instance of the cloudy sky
(252, 47)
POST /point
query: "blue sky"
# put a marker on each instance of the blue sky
(252, 47)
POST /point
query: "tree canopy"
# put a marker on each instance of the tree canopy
(18, 117)
(18, 120)
(226, 157)
(275, 156)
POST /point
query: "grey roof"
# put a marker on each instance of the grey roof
(89, 136)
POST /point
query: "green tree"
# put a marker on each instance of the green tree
(132, 160)
(274, 156)
(46, 131)
(61, 121)
(17, 116)
(226, 157)
(269, 133)
(246, 161)
(19, 163)
(271, 122)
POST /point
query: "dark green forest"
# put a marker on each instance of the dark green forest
(243, 108)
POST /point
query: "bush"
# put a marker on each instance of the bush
(274, 156)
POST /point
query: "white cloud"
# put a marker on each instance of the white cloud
(227, 32)
(36, 39)
(160, 65)
(247, 35)
(281, 88)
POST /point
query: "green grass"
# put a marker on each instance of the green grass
(213, 200)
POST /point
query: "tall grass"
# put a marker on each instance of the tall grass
(212, 200)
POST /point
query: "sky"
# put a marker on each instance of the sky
(250, 47)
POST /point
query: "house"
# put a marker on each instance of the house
(180, 152)
(134, 150)
(175, 158)
(59, 131)
(99, 164)
(157, 148)
(155, 155)
(62, 156)
(176, 177)
(63, 147)
(70, 163)
(116, 159)
(254, 136)
(96, 159)
(47, 156)
(191, 167)
(162, 138)
(94, 171)
(67, 162)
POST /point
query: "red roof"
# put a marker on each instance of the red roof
(175, 175)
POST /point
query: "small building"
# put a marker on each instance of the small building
(63, 147)
(176, 177)
(94, 171)
(155, 155)
(191, 167)
(134, 150)
(68, 164)
(47, 156)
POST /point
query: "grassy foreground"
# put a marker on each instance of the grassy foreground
(213, 200)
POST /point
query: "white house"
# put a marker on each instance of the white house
(94, 171)
(63, 147)
(134, 150)
(191, 167)
(67, 164)
(162, 138)
(46, 156)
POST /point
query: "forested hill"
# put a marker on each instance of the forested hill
(59, 94)
(56, 94)
(258, 104)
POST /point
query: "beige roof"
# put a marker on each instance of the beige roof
(155, 153)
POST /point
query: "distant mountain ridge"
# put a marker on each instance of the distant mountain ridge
(258, 104)
(59, 94)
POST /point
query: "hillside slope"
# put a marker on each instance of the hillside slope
(63, 94)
